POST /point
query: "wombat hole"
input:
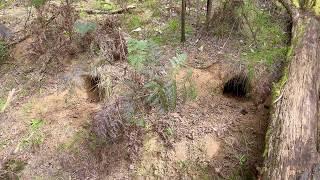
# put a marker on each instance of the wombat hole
(95, 94)
(238, 86)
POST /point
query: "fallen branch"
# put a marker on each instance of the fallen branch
(9, 99)
(18, 41)
(118, 11)
(274, 102)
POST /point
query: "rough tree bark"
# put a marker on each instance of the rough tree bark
(292, 136)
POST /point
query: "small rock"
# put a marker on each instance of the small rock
(4, 32)
(137, 30)
(218, 170)
(131, 167)
(190, 136)
(200, 48)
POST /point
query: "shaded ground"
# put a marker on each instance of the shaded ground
(213, 136)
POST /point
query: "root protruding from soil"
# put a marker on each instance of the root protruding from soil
(237, 86)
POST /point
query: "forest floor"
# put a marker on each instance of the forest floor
(45, 129)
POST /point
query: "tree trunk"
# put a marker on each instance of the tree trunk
(198, 9)
(183, 21)
(209, 11)
(292, 136)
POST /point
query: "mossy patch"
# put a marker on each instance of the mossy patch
(277, 87)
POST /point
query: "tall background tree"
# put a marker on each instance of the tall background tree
(183, 21)
(209, 11)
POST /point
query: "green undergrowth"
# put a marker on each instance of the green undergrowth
(141, 53)
(72, 144)
(84, 27)
(243, 172)
(153, 5)
(2, 103)
(101, 5)
(5, 4)
(267, 36)
(35, 136)
(145, 12)
(315, 7)
(104, 5)
(163, 90)
(199, 170)
(83, 136)
(38, 3)
(14, 165)
(132, 21)
(3, 51)
(278, 86)
(170, 32)
(189, 91)
(147, 21)
(143, 56)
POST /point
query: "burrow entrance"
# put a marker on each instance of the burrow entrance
(237, 86)
(94, 92)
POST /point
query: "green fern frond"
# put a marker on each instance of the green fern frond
(178, 62)
(163, 94)
(171, 92)
(140, 53)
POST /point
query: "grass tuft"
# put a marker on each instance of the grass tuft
(133, 22)
(35, 136)
(3, 51)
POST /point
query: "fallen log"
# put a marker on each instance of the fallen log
(117, 11)
(293, 134)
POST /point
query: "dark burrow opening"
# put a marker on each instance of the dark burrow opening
(94, 92)
(237, 86)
